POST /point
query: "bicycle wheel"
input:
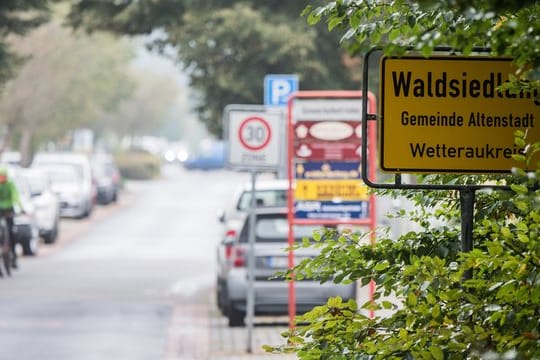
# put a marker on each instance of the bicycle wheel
(6, 248)
(6, 258)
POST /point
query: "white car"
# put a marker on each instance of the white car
(46, 203)
(68, 186)
(79, 196)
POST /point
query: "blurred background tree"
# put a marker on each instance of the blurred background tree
(17, 17)
(67, 81)
(227, 47)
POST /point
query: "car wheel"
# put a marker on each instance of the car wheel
(51, 236)
(30, 246)
(87, 211)
(236, 317)
(225, 302)
(219, 295)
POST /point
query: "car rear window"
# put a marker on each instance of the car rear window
(268, 230)
(264, 198)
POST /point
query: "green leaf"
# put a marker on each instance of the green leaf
(523, 238)
(412, 299)
(334, 22)
(436, 311)
(520, 142)
(382, 266)
(334, 301)
(411, 20)
(519, 157)
(436, 352)
(313, 19)
(308, 9)
(520, 189)
(403, 333)
(387, 305)
(355, 21)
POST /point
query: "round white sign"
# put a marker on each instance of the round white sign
(254, 133)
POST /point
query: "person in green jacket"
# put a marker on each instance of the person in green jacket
(9, 203)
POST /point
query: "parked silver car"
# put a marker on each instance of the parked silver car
(46, 201)
(271, 295)
(107, 177)
(268, 193)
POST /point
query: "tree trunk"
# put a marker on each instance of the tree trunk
(8, 137)
(24, 146)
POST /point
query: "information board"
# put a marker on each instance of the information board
(325, 148)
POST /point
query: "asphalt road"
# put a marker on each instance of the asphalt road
(127, 283)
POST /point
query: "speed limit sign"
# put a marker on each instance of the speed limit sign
(253, 136)
(254, 133)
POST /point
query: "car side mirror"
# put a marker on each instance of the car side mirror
(221, 216)
(36, 193)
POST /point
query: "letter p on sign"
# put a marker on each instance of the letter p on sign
(278, 88)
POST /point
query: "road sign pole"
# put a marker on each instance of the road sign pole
(466, 197)
(250, 301)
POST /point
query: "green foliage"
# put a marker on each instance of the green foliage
(437, 312)
(508, 28)
(138, 165)
(228, 46)
(17, 17)
(68, 80)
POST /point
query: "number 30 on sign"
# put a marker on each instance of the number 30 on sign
(254, 133)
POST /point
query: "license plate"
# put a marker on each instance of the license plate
(282, 262)
(277, 262)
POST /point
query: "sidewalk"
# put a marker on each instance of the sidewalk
(231, 343)
(200, 332)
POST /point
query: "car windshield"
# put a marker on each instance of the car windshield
(269, 230)
(79, 169)
(62, 176)
(264, 198)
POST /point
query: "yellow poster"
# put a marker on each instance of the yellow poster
(328, 190)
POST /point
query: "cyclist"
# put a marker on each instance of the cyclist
(9, 203)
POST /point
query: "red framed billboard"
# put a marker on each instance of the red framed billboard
(324, 164)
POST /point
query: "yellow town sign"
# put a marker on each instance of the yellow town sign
(445, 114)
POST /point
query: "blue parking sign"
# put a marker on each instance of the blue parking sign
(278, 88)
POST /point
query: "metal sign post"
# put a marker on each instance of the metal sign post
(253, 145)
(250, 300)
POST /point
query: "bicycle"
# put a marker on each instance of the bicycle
(5, 247)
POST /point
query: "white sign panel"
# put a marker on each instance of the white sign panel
(327, 109)
(253, 135)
